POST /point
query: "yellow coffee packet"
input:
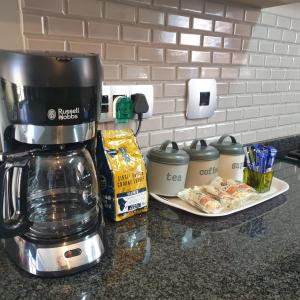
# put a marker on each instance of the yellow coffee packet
(122, 174)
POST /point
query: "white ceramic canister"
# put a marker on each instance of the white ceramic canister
(203, 165)
(167, 168)
(231, 163)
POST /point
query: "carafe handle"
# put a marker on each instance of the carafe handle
(20, 225)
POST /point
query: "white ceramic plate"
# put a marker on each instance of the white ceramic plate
(278, 187)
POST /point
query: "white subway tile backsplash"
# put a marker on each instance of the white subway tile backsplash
(253, 55)
(257, 60)
(295, 24)
(88, 8)
(65, 27)
(266, 46)
(275, 34)
(133, 33)
(163, 73)
(248, 137)
(232, 43)
(173, 121)
(226, 101)
(174, 89)
(135, 72)
(259, 32)
(234, 12)
(272, 61)
(201, 56)
(271, 121)
(268, 19)
(250, 45)
(190, 39)
(177, 56)
(221, 57)
(164, 37)
(154, 123)
(283, 22)
(234, 114)
(289, 36)
(158, 137)
(102, 30)
(223, 27)
(164, 106)
(167, 3)
(251, 112)
(183, 134)
(247, 73)
(253, 86)
(239, 58)
(263, 73)
(258, 123)
(185, 73)
(268, 86)
(207, 72)
(52, 6)
(193, 5)
(237, 87)
(212, 41)
(252, 16)
(242, 29)
(202, 24)
(229, 73)
(150, 54)
(178, 21)
(32, 24)
(214, 8)
(242, 125)
(225, 128)
(206, 131)
(244, 100)
(149, 16)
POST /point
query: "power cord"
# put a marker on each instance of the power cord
(140, 107)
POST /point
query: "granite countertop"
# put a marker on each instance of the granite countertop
(170, 254)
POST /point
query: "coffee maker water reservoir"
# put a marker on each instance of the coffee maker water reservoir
(50, 215)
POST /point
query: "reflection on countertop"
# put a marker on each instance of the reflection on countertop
(170, 254)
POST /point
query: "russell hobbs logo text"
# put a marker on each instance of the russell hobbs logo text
(63, 114)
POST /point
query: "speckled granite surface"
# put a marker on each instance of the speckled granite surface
(169, 254)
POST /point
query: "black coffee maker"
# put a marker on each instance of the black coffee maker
(50, 215)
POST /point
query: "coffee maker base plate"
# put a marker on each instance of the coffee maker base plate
(58, 259)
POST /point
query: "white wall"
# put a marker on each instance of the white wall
(10, 31)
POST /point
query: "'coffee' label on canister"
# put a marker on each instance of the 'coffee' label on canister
(210, 171)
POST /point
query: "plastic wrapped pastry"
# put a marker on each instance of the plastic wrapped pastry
(203, 201)
(237, 190)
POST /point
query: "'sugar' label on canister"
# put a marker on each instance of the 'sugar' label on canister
(237, 166)
(131, 201)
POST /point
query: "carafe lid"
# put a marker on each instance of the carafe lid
(230, 148)
(168, 155)
(204, 152)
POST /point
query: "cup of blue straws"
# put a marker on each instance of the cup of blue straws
(259, 166)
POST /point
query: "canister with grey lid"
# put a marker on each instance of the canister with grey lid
(203, 165)
(167, 168)
(232, 158)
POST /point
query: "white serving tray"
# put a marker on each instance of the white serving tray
(278, 187)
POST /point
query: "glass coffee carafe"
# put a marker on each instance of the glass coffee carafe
(48, 194)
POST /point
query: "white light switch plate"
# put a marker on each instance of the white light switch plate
(127, 90)
(201, 99)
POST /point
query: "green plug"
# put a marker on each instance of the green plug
(124, 110)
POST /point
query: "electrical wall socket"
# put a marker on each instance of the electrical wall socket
(127, 90)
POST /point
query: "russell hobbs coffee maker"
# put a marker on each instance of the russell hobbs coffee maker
(50, 216)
